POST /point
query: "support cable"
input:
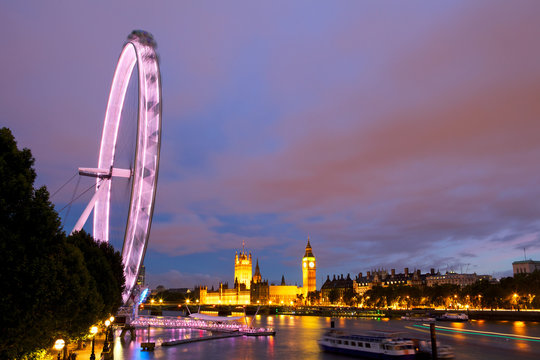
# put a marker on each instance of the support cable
(73, 196)
(84, 192)
(67, 182)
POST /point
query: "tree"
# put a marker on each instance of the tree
(30, 245)
(48, 290)
(105, 266)
(349, 296)
(314, 297)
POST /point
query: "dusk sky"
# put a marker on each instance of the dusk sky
(394, 134)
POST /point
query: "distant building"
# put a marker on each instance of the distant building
(225, 296)
(336, 289)
(260, 292)
(238, 295)
(525, 266)
(309, 271)
(243, 268)
(455, 279)
(141, 277)
(382, 278)
(250, 288)
(284, 294)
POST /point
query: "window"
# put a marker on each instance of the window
(353, 343)
(368, 345)
(360, 344)
(345, 343)
(338, 341)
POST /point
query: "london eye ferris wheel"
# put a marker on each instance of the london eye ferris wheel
(139, 58)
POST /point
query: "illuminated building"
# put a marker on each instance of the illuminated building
(284, 294)
(225, 296)
(250, 289)
(525, 266)
(309, 269)
(416, 278)
(240, 293)
(455, 279)
(243, 268)
(260, 292)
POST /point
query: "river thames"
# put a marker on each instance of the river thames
(296, 338)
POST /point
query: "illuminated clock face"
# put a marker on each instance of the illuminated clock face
(305, 264)
(311, 264)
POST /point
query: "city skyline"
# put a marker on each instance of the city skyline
(403, 135)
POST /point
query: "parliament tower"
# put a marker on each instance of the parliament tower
(309, 268)
(242, 268)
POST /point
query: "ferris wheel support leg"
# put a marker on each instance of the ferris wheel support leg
(82, 220)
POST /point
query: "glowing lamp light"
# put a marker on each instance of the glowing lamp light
(111, 319)
(59, 344)
(93, 330)
(107, 323)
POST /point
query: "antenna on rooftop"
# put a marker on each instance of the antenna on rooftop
(524, 253)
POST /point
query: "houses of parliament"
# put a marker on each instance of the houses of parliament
(250, 288)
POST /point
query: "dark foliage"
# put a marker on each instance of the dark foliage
(48, 288)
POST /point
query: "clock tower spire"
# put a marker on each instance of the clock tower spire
(309, 269)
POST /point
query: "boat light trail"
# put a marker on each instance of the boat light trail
(483, 333)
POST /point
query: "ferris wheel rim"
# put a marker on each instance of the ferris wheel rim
(136, 51)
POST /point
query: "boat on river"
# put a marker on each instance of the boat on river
(453, 317)
(418, 317)
(371, 344)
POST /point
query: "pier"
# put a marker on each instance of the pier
(202, 338)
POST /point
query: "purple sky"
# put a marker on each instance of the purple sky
(403, 134)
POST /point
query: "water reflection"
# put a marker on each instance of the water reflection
(297, 335)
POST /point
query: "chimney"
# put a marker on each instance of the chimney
(359, 275)
(432, 271)
(406, 271)
(393, 271)
(368, 274)
(418, 272)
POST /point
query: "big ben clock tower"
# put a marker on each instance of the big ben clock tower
(309, 267)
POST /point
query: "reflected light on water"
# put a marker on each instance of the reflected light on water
(270, 347)
(519, 327)
(523, 345)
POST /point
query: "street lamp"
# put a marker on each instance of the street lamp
(59, 345)
(93, 331)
